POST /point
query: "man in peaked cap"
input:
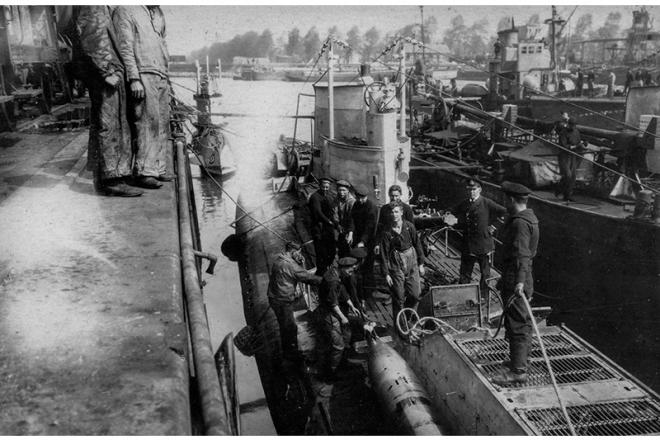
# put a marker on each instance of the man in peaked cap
(342, 217)
(334, 304)
(475, 216)
(323, 227)
(519, 246)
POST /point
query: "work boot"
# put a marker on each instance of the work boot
(117, 188)
(146, 182)
(166, 177)
(510, 378)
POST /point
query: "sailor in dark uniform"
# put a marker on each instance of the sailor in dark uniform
(321, 205)
(365, 215)
(476, 215)
(520, 241)
(334, 305)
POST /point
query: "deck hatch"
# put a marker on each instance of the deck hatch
(629, 417)
(570, 362)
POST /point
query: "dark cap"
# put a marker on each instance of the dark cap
(290, 245)
(327, 179)
(343, 183)
(471, 183)
(347, 261)
(361, 190)
(515, 189)
(359, 252)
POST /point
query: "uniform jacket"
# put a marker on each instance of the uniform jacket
(473, 220)
(95, 49)
(569, 137)
(390, 242)
(332, 291)
(364, 220)
(342, 213)
(141, 40)
(520, 240)
(284, 275)
(320, 207)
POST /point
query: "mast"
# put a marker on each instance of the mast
(554, 21)
(421, 9)
(331, 94)
(402, 88)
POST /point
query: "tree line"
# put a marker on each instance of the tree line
(461, 40)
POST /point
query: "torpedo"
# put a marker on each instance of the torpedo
(399, 391)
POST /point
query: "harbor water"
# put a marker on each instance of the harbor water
(251, 141)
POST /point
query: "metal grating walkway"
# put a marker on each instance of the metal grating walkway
(629, 417)
(570, 362)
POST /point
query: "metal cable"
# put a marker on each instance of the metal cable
(547, 361)
(275, 233)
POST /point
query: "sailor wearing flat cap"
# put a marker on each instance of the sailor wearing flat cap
(334, 307)
(365, 216)
(475, 216)
(321, 205)
(520, 237)
(342, 218)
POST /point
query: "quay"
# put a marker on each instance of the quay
(93, 338)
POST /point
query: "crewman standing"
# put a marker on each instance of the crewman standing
(141, 32)
(96, 61)
(476, 216)
(402, 261)
(385, 214)
(334, 304)
(520, 242)
(286, 272)
(342, 218)
(568, 159)
(365, 215)
(323, 228)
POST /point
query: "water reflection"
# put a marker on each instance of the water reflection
(252, 142)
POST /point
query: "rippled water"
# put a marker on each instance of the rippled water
(252, 140)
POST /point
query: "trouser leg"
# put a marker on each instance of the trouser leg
(335, 336)
(573, 164)
(517, 325)
(109, 147)
(288, 331)
(564, 170)
(467, 263)
(484, 268)
(398, 291)
(151, 124)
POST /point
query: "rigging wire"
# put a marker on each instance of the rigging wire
(238, 205)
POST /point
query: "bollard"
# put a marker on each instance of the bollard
(643, 204)
(656, 209)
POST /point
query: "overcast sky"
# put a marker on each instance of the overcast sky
(193, 27)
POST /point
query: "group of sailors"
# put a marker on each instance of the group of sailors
(350, 234)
